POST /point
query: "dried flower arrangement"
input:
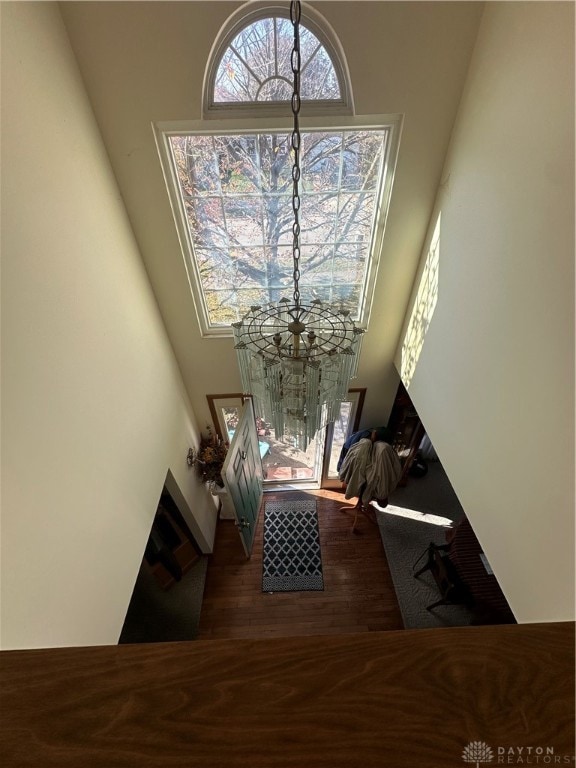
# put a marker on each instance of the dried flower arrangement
(210, 458)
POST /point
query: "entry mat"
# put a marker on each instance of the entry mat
(292, 561)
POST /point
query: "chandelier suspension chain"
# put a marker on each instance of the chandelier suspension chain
(295, 61)
(296, 360)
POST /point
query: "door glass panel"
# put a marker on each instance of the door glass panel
(339, 437)
(225, 411)
(283, 463)
(230, 417)
(336, 434)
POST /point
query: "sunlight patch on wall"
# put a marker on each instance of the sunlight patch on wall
(423, 309)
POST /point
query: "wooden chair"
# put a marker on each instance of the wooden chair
(360, 509)
(452, 589)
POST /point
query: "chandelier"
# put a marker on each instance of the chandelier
(296, 359)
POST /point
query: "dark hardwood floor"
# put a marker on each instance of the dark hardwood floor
(358, 593)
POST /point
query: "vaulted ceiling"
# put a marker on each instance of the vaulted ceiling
(144, 62)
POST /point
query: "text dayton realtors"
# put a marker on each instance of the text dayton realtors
(531, 756)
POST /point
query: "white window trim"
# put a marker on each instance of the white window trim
(162, 132)
(243, 17)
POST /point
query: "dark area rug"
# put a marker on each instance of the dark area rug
(419, 514)
(158, 616)
(291, 560)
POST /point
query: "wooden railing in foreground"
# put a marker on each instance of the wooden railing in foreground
(403, 698)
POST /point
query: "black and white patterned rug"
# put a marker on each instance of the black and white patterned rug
(291, 560)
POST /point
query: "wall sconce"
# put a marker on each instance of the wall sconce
(191, 457)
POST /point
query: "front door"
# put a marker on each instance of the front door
(242, 475)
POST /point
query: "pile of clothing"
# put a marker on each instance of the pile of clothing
(371, 470)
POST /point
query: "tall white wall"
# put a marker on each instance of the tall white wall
(494, 383)
(94, 412)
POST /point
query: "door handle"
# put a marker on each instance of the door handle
(243, 523)
(243, 454)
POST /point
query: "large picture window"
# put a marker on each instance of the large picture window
(230, 182)
(235, 193)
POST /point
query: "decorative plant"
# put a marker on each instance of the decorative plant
(210, 458)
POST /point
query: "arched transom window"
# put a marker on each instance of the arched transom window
(256, 65)
(230, 182)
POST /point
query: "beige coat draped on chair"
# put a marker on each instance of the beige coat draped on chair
(370, 470)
